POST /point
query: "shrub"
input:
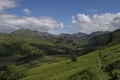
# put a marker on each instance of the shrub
(12, 72)
(16, 47)
(2, 67)
(114, 70)
(73, 58)
(115, 75)
(34, 54)
(83, 75)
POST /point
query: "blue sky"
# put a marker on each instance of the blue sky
(73, 14)
(64, 9)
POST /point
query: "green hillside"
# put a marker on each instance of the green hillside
(90, 63)
(13, 48)
(55, 58)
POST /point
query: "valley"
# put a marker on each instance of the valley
(32, 55)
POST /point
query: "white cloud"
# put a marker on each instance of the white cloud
(103, 22)
(10, 23)
(5, 4)
(26, 11)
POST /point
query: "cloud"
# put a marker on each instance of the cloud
(5, 4)
(102, 22)
(26, 11)
(10, 23)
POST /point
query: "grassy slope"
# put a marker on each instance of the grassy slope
(64, 69)
(44, 61)
(8, 39)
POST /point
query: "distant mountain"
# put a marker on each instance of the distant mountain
(97, 33)
(78, 36)
(64, 35)
(83, 36)
(109, 38)
(30, 33)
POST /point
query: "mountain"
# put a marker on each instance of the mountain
(83, 36)
(97, 33)
(30, 33)
(64, 35)
(34, 33)
(80, 35)
(109, 38)
(76, 35)
(118, 30)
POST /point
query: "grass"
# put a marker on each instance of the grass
(45, 61)
(9, 60)
(64, 69)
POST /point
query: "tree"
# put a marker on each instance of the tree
(73, 58)
(12, 72)
(71, 51)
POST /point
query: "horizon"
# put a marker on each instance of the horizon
(56, 34)
(58, 17)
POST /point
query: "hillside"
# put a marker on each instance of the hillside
(35, 56)
(31, 33)
(111, 38)
(88, 67)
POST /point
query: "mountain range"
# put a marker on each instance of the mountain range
(33, 33)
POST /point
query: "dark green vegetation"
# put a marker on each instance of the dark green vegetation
(32, 55)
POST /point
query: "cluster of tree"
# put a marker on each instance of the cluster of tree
(83, 75)
(60, 49)
(30, 51)
(114, 70)
(15, 47)
(20, 47)
(11, 72)
(34, 54)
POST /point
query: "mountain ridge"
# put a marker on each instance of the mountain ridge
(34, 33)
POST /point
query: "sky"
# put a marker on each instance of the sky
(60, 16)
